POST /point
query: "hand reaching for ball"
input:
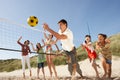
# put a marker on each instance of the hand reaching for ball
(45, 26)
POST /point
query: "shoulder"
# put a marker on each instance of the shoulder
(68, 30)
(59, 31)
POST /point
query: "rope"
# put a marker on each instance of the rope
(30, 52)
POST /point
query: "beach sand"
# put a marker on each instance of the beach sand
(63, 72)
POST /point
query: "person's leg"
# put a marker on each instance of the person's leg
(104, 66)
(109, 70)
(79, 70)
(73, 71)
(43, 69)
(49, 65)
(68, 59)
(38, 70)
(23, 65)
(93, 63)
(28, 64)
(43, 73)
(73, 61)
(70, 68)
(53, 66)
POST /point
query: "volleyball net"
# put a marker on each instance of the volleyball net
(10, 33)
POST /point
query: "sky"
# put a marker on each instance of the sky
(102, 16)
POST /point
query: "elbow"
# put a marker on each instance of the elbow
(18, 42)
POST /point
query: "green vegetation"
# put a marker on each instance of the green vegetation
(115, 44)
(14, 64)
(9, 65)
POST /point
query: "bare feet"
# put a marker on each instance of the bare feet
(104, 76)
(82, 77)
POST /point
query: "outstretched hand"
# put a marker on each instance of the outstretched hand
(20, 37)
(45, 26)
(43, 40)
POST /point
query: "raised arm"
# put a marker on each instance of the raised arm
(45, 35)
(18, 41)
(43, 43)
(57, 47)
(57, 35)
(33, 47)
(54, 42)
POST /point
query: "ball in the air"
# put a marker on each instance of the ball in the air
(32, 21)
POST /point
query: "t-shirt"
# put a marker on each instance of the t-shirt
(67, 44)
(41, 56)
(25, 49)
(105, 50)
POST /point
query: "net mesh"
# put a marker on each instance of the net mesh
(9, 34)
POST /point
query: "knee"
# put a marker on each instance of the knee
(93, 64)
(74, 65)
(109, 69)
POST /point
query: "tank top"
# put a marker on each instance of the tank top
(41, 56)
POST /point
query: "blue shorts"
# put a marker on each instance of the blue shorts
(41, 65)
(108, 61)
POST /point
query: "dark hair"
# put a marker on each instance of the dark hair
(38, 47)
(27, 41)
(104, 35)
(63, 21)
(87, 36)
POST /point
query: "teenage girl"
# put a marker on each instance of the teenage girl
(40, 58)
(49, 42)
(103, 47)
(87, 45)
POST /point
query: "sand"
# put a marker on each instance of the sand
(63, 73)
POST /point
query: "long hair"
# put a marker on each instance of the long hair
(27, 41)
(38, 48)
(89, 37)
(104, 35)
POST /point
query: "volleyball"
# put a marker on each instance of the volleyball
(32, 21)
